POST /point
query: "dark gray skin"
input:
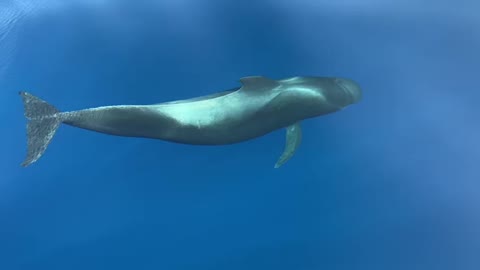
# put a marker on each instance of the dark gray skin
(258, 107)
(255, 109)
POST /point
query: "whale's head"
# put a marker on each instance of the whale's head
(333, 92)
(343, 92)
(305, 97)
(336, 91)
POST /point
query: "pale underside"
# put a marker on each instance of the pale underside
(207, 113)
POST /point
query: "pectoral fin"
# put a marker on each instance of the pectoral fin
(293, 139)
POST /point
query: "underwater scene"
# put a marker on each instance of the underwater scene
(268, 134)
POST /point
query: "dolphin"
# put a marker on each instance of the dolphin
(259, 106)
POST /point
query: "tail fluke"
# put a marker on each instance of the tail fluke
(43, 122)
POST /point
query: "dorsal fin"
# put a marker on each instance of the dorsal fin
(256, 83)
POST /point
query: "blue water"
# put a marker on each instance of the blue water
(389, 183)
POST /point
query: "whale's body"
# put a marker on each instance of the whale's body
(258, 107)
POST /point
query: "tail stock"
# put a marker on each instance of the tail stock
(43, 122)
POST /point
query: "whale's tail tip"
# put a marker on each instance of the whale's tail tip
(43, 121)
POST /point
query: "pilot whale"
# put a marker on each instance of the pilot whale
(259, 106)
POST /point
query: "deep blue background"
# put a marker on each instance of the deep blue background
(389, 183)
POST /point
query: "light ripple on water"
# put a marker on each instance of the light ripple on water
(11, 15)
